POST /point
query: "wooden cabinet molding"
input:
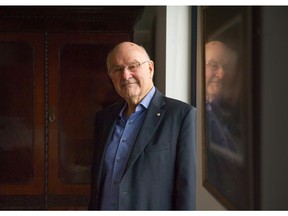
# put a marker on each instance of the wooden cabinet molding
(69, 18)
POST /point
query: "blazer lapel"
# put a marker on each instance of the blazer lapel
(151, 122)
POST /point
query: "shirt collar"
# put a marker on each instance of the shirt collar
(147, 99)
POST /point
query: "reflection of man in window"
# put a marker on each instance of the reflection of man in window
(222, 157)
(219, 60)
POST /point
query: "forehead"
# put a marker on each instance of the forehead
(125, 53)
(217, 51)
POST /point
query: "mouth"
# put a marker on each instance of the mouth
(215, 81)
(128, 83)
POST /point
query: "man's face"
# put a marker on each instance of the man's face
(218, 61)
(131, 72)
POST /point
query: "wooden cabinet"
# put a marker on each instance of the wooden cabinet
(52, 81)
(21, 114)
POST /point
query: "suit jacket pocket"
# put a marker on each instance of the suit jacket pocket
(158, 147)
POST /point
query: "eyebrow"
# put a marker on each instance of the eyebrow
(135, 61)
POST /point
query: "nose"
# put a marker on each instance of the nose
(126, 74)
(219, 73)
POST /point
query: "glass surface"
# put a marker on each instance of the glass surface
(16, 113)
(226, 102)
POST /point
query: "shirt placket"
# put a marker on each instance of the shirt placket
(122, 156)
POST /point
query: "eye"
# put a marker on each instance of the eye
(117, 69)
(214, 65)
(134, 66)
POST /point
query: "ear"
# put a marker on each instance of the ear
(109, 74)
(151, 69)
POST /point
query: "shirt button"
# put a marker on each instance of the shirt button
(131, 122)
(124, 139)
(118, 159)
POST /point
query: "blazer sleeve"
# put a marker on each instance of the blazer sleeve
(185, 175)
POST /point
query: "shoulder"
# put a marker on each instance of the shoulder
(174, 104)
(162, 100)
(179, 109)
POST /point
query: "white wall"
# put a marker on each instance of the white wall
(178, 53)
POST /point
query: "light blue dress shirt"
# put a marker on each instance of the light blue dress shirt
(119, 149)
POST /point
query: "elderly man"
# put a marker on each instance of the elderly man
(224, 162)
(220, 60)
(145, 153)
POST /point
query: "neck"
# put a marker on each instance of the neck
(133, 102)
(130, 109)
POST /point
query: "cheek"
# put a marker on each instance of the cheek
(144, 79)
(208, 75)
(116, 84)
(115, 80)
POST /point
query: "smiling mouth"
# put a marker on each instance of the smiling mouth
(127, 84)
(215, 81)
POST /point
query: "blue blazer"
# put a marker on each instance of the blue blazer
(161, 170)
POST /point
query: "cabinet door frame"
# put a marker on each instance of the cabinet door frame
(37, 185)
